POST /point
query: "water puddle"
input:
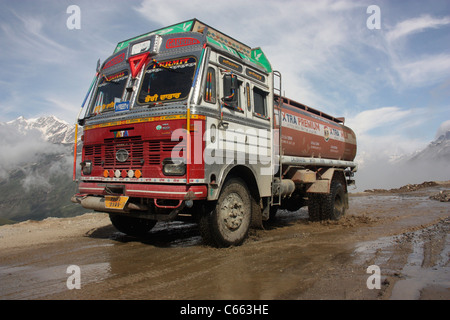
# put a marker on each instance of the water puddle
(417, 277)
(33, 282)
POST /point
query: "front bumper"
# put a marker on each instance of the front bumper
(151, 191)
(92, 196)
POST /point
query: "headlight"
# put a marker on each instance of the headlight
(86, 167)
(174, 167)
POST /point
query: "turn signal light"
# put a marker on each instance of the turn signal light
(138, 174)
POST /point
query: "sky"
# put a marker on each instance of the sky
(386, 69)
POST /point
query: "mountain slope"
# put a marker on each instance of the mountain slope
(36, 169)
(438, 150)
(52, 129)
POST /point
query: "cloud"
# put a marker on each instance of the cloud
(367, 120)
(28, 34)
(62, 106)
(414, 67)
(48, 65)
(385, 148)
(415, 25)
(305, 40)
(34, 180)
(386, 175)
(323, 48)
(425, 71)
(383, 162)
(443, 128)
(19, 148)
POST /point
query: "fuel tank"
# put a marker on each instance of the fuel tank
(307, 132)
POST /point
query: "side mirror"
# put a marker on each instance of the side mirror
(230, 86)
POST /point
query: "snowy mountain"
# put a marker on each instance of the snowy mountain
(36, 166)
(437, 150)
(52, 129)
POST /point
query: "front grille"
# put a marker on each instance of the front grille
(151, 152)
(95, 152)
(133, 145)
(154, 152)
(160, 150)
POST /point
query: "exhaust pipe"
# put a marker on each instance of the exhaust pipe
(131, 209)
(98, 204)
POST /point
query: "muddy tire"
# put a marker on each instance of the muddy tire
(228, 221)
(135, 227)
(330, 206)
(334, 204)
(315, 206)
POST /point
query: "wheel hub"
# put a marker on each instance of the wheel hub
(232, 211)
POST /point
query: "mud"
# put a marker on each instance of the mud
(404, 233)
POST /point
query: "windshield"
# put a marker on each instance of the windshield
(110, 91)
(167, 80)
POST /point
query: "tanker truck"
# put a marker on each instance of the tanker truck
(187, 121)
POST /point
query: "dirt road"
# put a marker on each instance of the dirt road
(404, 234)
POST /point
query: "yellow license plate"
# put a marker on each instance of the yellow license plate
(115, 202)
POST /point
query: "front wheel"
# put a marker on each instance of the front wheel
(228, 221)
(136, 227)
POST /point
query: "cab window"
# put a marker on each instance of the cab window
(259, 102)
(109, 91)
(210, 86)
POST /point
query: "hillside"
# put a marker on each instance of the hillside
(36, 169)
(437, 150)
(51, 128)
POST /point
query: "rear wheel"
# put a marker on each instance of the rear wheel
(327, 206)
(137, 227)
(315, 206)
(228, 221)
(333, 206)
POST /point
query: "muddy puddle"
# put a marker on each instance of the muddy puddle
(405, 235)
(423, 261)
